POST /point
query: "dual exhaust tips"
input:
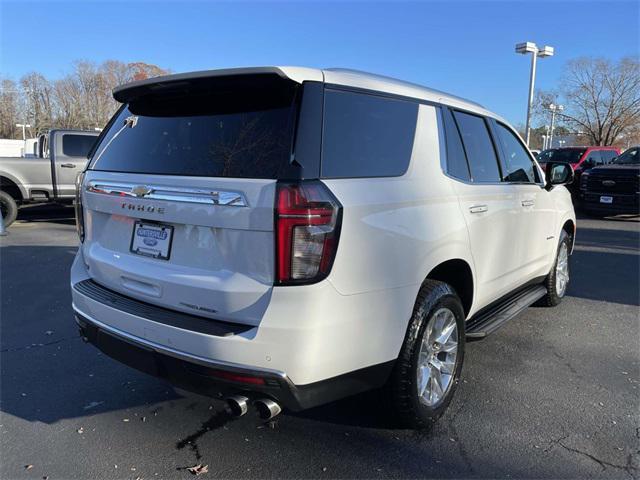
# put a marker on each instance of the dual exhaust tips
(266, 408)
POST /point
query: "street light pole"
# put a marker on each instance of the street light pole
(553, 108)
(532, 81)
(23, 126)
(532, 48)
(546, 137)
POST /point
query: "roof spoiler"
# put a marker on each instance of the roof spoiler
(184, 82)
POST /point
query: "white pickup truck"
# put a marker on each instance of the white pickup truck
(49, 176)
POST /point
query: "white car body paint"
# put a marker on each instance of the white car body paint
(395, 231)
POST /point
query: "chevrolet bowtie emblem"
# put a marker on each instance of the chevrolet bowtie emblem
(141, 190)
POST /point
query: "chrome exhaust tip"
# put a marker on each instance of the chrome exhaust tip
(238, 405)
(267, 408)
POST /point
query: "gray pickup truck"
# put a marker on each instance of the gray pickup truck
(49, 176)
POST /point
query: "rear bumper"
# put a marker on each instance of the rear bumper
(217, 379)
(312, 346)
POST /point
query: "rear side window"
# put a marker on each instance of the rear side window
(477, 143)
(242, 134)
(456, 159)
(77, 145)
(366, 135)
(517, 163)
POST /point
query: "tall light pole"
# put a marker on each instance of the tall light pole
(24, 126)
(554, 109)
(526, 48)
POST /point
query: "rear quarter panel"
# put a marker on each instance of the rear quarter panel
(396, 230)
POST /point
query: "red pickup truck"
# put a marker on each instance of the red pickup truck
(581, 159)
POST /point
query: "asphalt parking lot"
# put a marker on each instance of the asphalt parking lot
(556, 393)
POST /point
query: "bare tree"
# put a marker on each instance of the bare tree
(9, 108)
(141, 70)
(601, 98)
(81, 100)
(39, 102)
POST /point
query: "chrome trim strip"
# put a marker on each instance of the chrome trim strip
(169, 194)
(173, 352)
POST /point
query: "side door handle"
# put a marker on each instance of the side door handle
(478, 208)
(68, 165)
(528, 203)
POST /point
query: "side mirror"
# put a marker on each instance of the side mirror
(558, 174)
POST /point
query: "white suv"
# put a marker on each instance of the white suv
(290, 236)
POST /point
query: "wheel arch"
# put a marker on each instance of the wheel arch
(569, 226)
(11, 187)
(457, 273)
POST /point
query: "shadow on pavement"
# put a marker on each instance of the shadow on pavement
(605, 266)
(43, 357)
(53, 213)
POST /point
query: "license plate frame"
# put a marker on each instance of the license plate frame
(160, 233)
(606, 199)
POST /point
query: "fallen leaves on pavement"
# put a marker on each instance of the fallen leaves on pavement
(199, 469)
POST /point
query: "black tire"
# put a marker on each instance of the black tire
(408, 408)
(9, 208)
(553, 297)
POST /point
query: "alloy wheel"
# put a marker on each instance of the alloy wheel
(562, 270)
(437, 357)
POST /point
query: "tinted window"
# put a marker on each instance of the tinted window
(629, 157)
(366, 136)
(456, 160)
(608, 155)
(594, 158)
(216, 134)
(77, 145)
(517, 162)
(566, 155)
(479, 148)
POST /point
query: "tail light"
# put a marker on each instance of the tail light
(307, 220)
(78, 207)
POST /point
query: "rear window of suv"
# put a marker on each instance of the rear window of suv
(242, 134)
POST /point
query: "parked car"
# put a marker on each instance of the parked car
(286, 237)
(581, 159)
(615, 188)
(535, 153)
(49, 177)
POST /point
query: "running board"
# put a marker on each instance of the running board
(490, 320)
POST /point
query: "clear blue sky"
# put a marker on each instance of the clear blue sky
(465, 48)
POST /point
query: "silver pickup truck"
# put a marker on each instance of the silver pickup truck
(49, 176)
